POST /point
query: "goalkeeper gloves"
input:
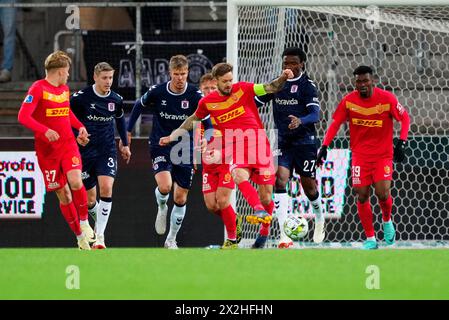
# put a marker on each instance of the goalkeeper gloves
(399, 153)
(322, 155)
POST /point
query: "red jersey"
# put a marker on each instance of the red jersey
(237, 118)
(48, 107)
(370, 123)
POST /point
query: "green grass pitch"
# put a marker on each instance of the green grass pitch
(224, 274)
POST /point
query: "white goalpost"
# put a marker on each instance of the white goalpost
(407, 44)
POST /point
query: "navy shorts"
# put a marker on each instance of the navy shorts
(103, 165)
(302, 158)
(181, 174)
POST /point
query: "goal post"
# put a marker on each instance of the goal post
(407, 44)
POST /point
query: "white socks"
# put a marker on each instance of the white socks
(161, 198)
(93, 211)
(281, 205)
(103, 212)
(316, 208)
(176, 217)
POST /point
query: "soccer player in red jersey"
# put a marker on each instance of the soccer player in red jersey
(247, 149)
(46, 111)
(370, 112)
(217, 179)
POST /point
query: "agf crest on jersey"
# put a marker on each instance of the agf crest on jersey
(111, 106)
(184, 104)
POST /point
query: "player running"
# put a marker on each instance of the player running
(370, 112)
(98, 107)
(171, 103)
(46, 111)
(296, 109)
(247, 149)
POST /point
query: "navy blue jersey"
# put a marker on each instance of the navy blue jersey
(298, 97)
(97, 113)
(170, 109)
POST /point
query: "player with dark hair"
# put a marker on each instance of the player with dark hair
(296, 109)
(171, 102)
(98, 107)
(46, 111)
(370, 112)
(246, 146)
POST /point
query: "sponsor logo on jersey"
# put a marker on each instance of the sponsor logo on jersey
(228, 116)
(184, 104)
(285, 102)
(57, 112)
(100, 119)
(225, 104)
(111, 106)
(294, 88)
(58, 98)
(28, 99)
(368, 111)
(367, 122)
(173, 116)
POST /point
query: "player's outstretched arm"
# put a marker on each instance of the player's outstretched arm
(277, 84)
(187, 125)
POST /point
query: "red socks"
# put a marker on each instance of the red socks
(251, 195)
(265, 228)
(228, 217)
(386, 207)
(366, 217)
(80, 201)
(71, 216)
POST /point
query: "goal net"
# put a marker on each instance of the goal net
(408, 48)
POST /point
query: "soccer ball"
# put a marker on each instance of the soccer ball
(296, 227)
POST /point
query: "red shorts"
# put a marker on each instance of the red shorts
(258, 174)
(55, 166)
(365, 173)
(217, 176)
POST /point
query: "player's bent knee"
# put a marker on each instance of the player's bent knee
(164, 189)
(223, 203)
(382, 196)
(64, 195)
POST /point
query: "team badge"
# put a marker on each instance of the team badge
(294, 88)
(184, 104)
(387, 169)
(28, 99)
(227, 177)
(75, 161)
(267, 174)
(111, 106)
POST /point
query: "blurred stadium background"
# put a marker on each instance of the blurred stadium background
(409, 51)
